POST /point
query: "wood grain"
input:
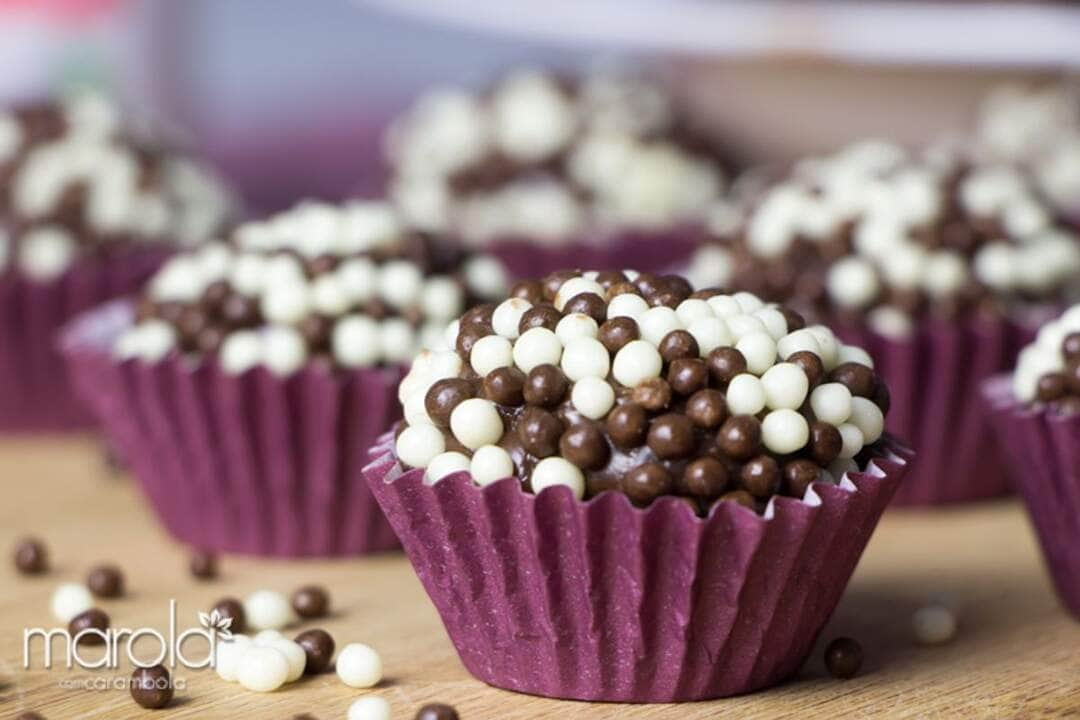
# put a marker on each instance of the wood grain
(1017, 653)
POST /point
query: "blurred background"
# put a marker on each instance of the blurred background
(289, 98)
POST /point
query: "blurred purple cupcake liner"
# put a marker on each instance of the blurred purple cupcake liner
(34, 393)
(601, 601)
(1044, 451)
(252, 463)
(934, 379)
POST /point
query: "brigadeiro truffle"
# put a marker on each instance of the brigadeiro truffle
(941, 269)
(91, 202)
(247, 382)
(655, 471)
(1036, 416)
(547, 171)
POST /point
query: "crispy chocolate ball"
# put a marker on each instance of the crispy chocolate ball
(616, 332)
(607, 278)
(92, 619)
(553, 281)
(437, 711)
(539, 432)
(843, 657)
(707, 408)
(469, 334)
(545, 386)
(318, 647)
(653, 394)
(444, 396)
(859, 379)
(794, 320)
(151, 687)
(106, 581)
(671, 436)
(233, 609)
(798, 474)
(587, 303)
(505, 386)
(705, 477)
(725, 363)
(739, 497)
(678, 344)
(825, 442)
(311, 601)
(317, 330)
(687, 375)
(622, 288)
(530, 290)
(203, 565)
(810, 364)
(31, 557)
(627, 425)
(646, 482)
(545, 316)
(740, 436)
(481, 314)
(1052, 386)
(760, 477)
(240, 311)
(585, 446)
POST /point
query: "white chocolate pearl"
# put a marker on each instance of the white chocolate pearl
(445, 464)
(69, 600)
(359, 666)
(628, 305)
(262, 668)
(400, 283)
(852, 283)
(748, 301)
(507, 317)
(227, 656)
(397, 340)
(774, 321)
(491, 463)
(284, 350)
(785, 386)
(451, 333)
(830, 347)
(156, 340)
(801, 340)
(369, 708)
(946, 272)
(286, 303)
(725, 306)
(743, 325)
(489, 353)
(585, 357)
(359, 278)
(710, 333)
(476, 422)
(593, 397)
(759, 349)
(442, 298)
(553, 471)
(868, 417)
(240, 351)
(853, 440)
(328, 297)
(46, 252)
(657, 322)
(537, 346)
(784, 431)
(636, 362)
(693, 309)
(854, 354)
(745, 395)
(576, 325)
(831, 403)
(267, 610)
(418, 444)
(355, 341)
(574, 287)
(933, 625)
(293, 653)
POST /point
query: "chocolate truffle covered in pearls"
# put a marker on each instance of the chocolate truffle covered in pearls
(544, 158)
(703, 395)
(345, 285)
(77, 180)
(1048, 370)
(873, 234)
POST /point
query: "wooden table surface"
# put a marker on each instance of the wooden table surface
(1017, 653)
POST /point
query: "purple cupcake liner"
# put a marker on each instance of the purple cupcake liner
(934, 379)
(598, 600)
(252, 463)
(1044, 451)
(34, 393)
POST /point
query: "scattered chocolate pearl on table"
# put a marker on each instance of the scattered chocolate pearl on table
(262, 668)
(318, 645)
(311, 601)
(151, 687)
(437, 711)
(934, 625)
(359, 666)
(843, 657)
(203, 565)
(267, 610)
(89, 621)
(69, 600)
(234, 610)
(30, 715)
(31, 557)
(106, 581)
(294, 654)
(229, 653)
(369, 708)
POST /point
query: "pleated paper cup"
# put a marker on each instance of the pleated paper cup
(934, 379)
(252, 463)
(602, 601)
(1043, 448)
(34, 393)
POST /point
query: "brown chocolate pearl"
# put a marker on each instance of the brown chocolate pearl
(317, 330)
(739, 497)
(29, 715)
(553, 281)
(760, 477)
(240, 311)
(671, 436)
(678, 344)
(481, 314)
(545, 316)
(318, 648)
(1069, 405)
(825, 442)
(859, 379)
(1070, 347)
(587, 303)
(740, 436)
(311, 601)
(545, 386)
(505, 386)
(724, 364)
(203, 565)
(649, 284)
(627, 425)
(436, 711)
(233, 609)
(687, 375)
(881, 397)
(705, 478)
(1052, 386)
(646, 482)
(31, 557)
(811, 365)
(622, 288)
(191, 323)
(607, 278)
(653, 394)
(92, 619)
(106, 581)
(320, 265)
(151, 687)
(706, 293)
(843, 658)
(707, 408)
(794, 320)
(539, 432)
(468, 335)
(585, 446)
(616, 332)
(170, 312)
(678, 286)
(210, 340)
(798, 474)
(530, 290)
(445, 395)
